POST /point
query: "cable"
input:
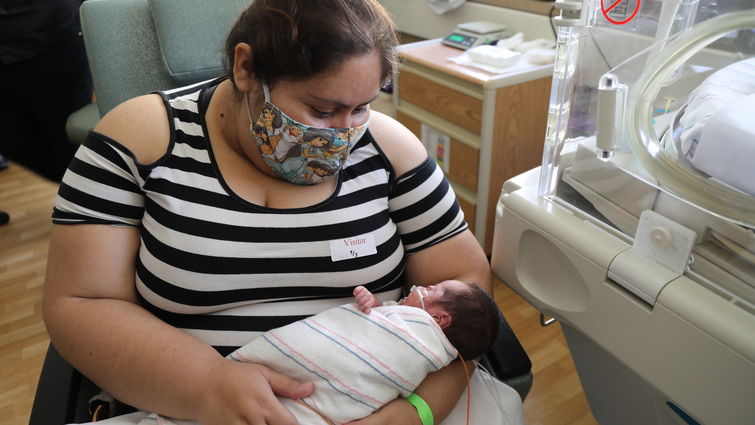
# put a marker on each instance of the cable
(469, 388)
(550, 20)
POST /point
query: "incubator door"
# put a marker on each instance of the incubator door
(637, 230)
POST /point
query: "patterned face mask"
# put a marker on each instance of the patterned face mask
(298, 153)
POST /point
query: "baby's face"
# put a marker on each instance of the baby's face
(427, 296)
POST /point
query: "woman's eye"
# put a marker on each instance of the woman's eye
(321, 114)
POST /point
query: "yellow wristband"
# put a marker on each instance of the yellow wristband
(423, 409)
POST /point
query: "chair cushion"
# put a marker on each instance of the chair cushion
(192, 34)
(80, 122)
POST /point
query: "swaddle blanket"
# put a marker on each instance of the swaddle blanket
(358, 362)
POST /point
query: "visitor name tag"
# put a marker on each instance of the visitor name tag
(348, 248)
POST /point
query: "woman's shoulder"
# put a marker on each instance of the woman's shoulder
(139, 124)
(403, 149)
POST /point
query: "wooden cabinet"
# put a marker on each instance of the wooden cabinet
(493, 124)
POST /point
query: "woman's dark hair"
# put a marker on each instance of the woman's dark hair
(298, 39)
(474, 321)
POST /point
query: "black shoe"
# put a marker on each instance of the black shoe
(3, 162)
(4, 217)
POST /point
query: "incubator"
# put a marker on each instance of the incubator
(638, 231)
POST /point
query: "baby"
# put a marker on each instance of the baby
(466, 313)
(361, 360)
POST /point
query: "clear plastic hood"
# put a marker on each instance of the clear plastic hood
(653, 107)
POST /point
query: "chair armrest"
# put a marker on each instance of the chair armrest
(508, 361)
(62, 393)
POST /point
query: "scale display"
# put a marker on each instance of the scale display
(471, 34)
(460, 41)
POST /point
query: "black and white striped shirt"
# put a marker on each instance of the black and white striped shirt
(224, 269)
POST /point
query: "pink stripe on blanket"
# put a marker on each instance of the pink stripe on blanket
(314, 365)
(381, 318)
(367, 353)
(445, 342)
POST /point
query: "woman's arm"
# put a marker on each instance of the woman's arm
(94, 321)
(459, 257)
(93, 317)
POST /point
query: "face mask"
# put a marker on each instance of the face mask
(298, 153)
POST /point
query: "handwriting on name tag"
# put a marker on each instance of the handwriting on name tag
(354, 247)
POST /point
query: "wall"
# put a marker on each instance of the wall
(416, 18)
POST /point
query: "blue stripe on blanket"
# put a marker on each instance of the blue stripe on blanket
(401, 338)
(316, 373)
(450, 354)
(359, 357)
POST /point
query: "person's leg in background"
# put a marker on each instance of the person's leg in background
(4, 217)
(38, 95)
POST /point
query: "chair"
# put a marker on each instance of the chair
(138, 46)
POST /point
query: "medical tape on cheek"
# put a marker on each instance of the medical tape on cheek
(420, 294)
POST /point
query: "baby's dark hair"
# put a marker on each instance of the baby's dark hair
(474, 321)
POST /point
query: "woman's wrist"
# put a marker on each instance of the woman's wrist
(424, 412)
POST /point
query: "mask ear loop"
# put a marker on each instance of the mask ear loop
(249, 114)
(469, 387)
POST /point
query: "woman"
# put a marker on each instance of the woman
(188, 244)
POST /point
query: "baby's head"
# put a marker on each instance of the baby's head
(467, 314)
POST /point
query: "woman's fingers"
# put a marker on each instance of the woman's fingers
(288, 387)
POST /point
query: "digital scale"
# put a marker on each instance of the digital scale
(472, 34)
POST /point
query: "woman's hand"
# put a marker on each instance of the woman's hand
(365, 299)
(245, 394)
(397, 412)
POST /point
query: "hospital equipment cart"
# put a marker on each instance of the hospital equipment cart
(482, 128)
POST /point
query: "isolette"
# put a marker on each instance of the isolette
(637, 232)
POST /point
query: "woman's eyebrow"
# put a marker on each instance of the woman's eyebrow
(341, 104)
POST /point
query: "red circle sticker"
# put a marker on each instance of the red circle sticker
(619, 7)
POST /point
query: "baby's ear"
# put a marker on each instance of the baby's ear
(442, 318)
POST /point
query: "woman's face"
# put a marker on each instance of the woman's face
(339, 99)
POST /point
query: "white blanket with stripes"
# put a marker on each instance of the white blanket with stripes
(358, 362)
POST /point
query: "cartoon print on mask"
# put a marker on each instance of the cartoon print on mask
(269, 120)
(317, 141)
(293, 167)
(340, 143)
(264, 143)
(290, 136)
(276, 133)
(317, 169)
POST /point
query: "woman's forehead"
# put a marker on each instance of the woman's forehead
(355, 82)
